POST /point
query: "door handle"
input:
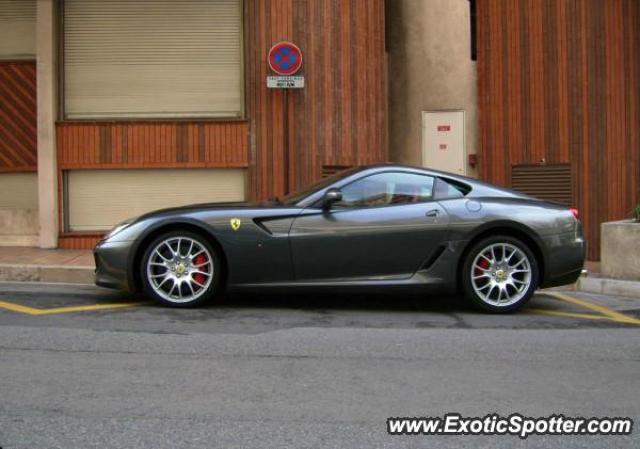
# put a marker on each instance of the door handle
(432, 213)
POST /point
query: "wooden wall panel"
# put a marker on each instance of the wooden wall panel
(558, 83)
(95, 145)
(78, 240)
(18, 120)
(339, 118)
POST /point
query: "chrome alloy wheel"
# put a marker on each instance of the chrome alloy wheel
(180, 269)
(501, 274)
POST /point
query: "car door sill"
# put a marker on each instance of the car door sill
(419, 278)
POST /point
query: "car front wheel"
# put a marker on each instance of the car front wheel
(500, 274)
(180, 269)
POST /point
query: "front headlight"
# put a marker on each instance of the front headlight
(117, 228)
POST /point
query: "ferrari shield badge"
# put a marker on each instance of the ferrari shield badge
(235, 223)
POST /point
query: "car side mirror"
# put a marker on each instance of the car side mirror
(331, 196)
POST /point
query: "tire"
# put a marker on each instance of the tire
(186, 279)
(501, 281)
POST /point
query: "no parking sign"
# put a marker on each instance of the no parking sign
(285, 59)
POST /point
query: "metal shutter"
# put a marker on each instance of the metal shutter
(547, 182)
(17, 29)
(98, 199)
(160, 58)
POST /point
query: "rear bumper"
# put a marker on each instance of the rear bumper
(564, 259)
(111, 265)
(565, 279)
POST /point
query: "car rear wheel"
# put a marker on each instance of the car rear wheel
(500, 274)
(180, 269)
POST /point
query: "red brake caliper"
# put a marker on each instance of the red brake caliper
(199, 260)
(484, 264)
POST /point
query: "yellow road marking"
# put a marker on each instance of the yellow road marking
(70, 309)
(610, 314)
(585, 316)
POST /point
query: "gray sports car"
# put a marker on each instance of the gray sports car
(376, 226)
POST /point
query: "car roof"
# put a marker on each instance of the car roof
(385, 166)
(477, 187)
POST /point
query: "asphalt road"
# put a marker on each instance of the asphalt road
(82, 367)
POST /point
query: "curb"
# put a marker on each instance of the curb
(608, 286)
(47, 273)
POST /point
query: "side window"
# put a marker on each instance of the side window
(387, 189)
(446, 190)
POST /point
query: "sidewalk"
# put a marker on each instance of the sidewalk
(25, 264)
(595, 283)
(76, 267)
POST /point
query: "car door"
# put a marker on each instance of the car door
(386, 225)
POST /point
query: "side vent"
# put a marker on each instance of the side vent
(547, 182)
(330, 170)
(434, 256)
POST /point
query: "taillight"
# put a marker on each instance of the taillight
(575, 213)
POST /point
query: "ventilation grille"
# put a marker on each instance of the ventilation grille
(330, 170)
(547, 182)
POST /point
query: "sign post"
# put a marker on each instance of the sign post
(285, 59)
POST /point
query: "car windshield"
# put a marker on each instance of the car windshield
(295, 197)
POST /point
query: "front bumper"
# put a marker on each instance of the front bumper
(112, 265)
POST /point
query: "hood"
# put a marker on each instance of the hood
(212, 206)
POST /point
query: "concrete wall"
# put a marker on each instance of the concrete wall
(430, 68)
(620, 250)
(18, 227)
(18, 209)
(46, 44)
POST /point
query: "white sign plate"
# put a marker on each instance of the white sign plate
(285, 82)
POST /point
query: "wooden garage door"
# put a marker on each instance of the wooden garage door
(99, 199)
(160, 58)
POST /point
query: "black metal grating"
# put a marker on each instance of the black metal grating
(547, 182)
(330, 170)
